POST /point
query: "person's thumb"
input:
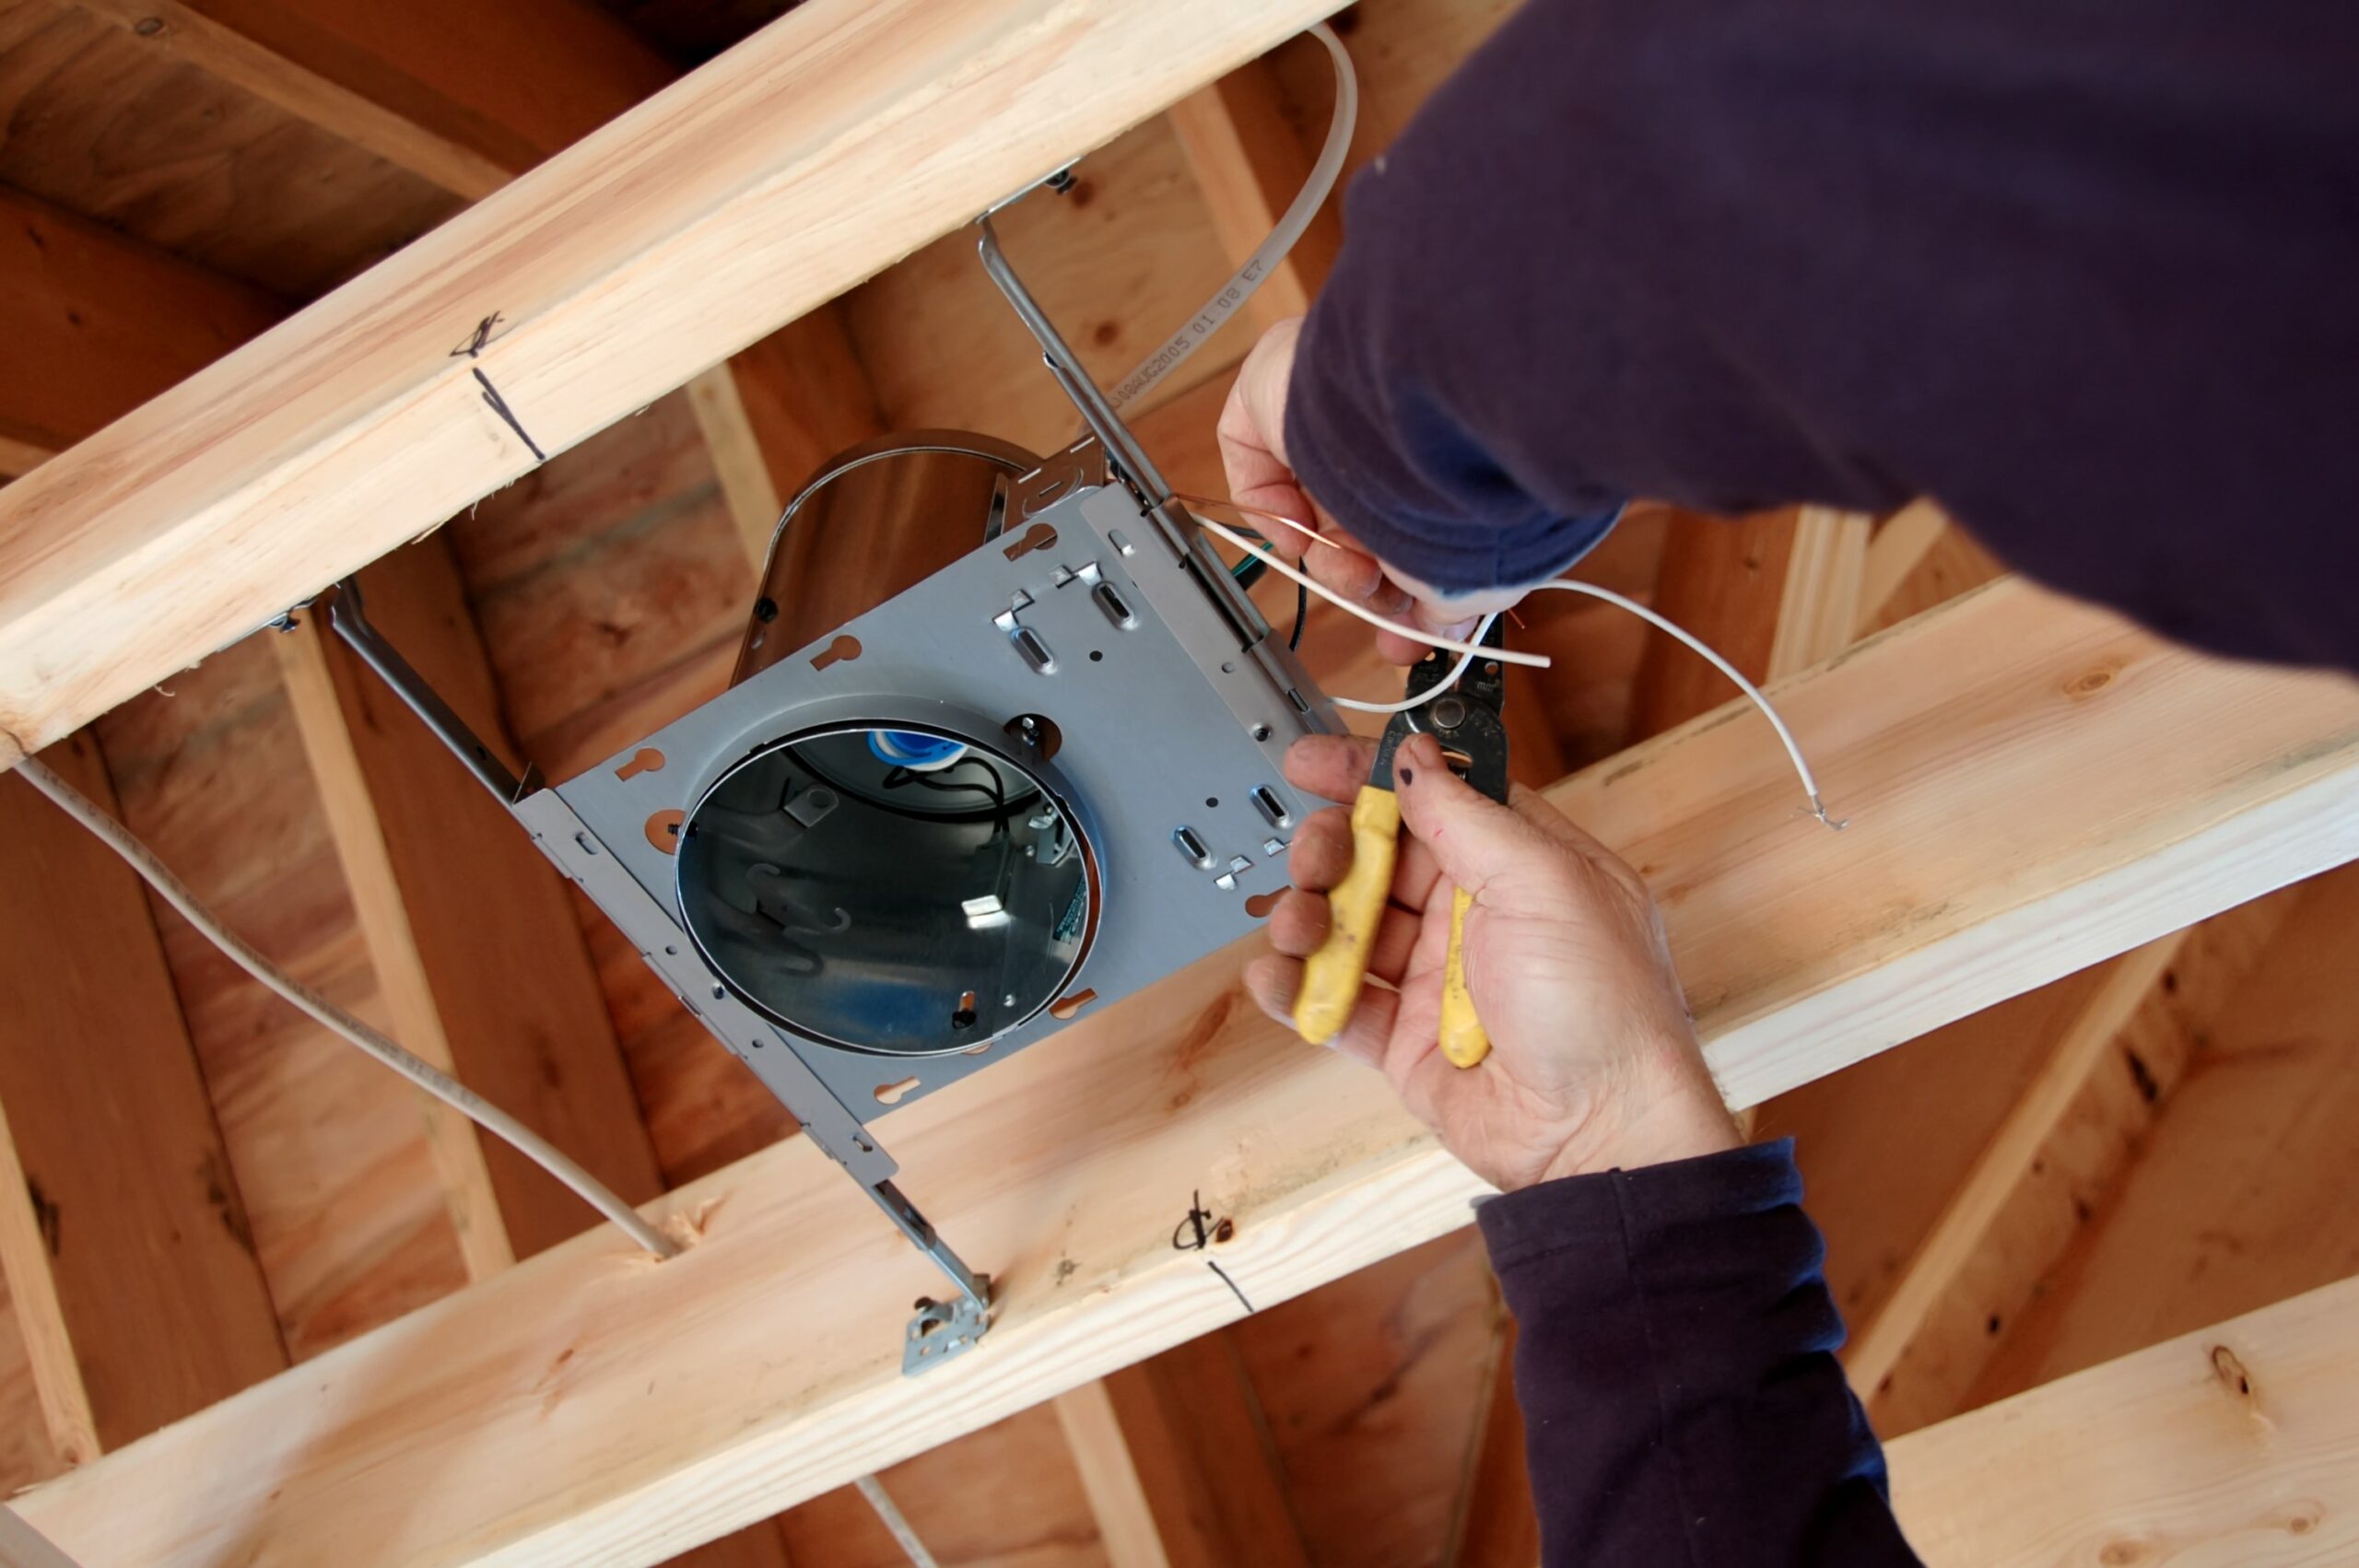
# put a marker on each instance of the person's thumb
(1473, 838)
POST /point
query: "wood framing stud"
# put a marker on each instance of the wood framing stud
(826, 146)
(1899, 544)
(2057, 1157)
(475, 940)
(2232, 1445)
(110, 1157)
(58, 1388)
(1126, 1528)
(1819, 602)
(1209, 1477)
(428, 87)
(21, 1546)
(1496, 1524)
(775, 414)
(97, 324)
(2033, 787)
(392, 943)
(747, 487)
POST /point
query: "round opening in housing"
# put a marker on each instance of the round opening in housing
(890, 888)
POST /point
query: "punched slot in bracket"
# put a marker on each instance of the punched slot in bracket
(1023, 638)
(1105, 595)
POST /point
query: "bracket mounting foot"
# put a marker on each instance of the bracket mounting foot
(944, 1329)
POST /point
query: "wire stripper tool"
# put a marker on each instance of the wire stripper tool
(1466, 721)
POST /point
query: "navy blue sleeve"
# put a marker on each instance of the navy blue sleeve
(2079, 271)
(1676, 1363)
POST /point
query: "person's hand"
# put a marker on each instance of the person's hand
(1252, 434)
(1594, 1061)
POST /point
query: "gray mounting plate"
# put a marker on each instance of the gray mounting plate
(940, 1331)
(1176, 725)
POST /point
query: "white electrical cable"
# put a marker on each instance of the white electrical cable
(1785, 736)
(1324, 172)
(887, 1510)
(1457, 673)
(1414, 634)
(435, 1082)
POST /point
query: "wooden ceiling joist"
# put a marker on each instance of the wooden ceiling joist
(470, 933)
(2057, 1156)
(2230, 1445)
(2032, 786)
(96, 324)
(127, 1248)
(823, 148)
(467, 96)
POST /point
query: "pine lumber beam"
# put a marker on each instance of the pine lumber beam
(1178, 1468)
(821, 149)
(1900, 541)
(97, 324)
(774, 414)
(2239, 1198)
(467, 96)
(1497, 1524)
(391, 941)
(1110, 1474)
(1773, 593)
(2064, 1148)
(2231, 1444)
(2032, 785)
(474, 938)
(472, 934)
(1250, 164)
(1819, 601)
(470, 96)
(1946, 562)
(21, 1546)
(739, 464)
(124, 1243)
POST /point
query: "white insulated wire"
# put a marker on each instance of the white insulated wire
(1785, 736)
(1457, 673)
(887, 1510)
(1414, 634)
(427, 1076)
(1324, 172)
(435, 1082)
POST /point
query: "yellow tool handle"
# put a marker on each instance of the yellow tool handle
(1333, 976)
(1462, 1039)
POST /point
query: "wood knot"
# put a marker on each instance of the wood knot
(2088, 685)
(2231, 1373)
(2123, 1553)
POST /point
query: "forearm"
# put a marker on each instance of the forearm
(1675, 1365)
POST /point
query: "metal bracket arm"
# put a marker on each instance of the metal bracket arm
(342, 606)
